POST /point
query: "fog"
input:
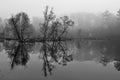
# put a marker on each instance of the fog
(35, 7)
(59, 39)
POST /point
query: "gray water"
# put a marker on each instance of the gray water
(86, 60)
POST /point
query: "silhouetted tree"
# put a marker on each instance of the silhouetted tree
(54, 28)
(19, 26)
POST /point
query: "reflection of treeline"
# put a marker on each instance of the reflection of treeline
(54, 52)
(19, 27)
(104, 52)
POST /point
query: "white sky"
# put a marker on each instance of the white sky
(35, 7)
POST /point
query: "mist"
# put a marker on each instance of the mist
(59, 39)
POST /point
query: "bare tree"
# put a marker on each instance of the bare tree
(54, 28)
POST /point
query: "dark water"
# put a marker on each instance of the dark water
(70, 60)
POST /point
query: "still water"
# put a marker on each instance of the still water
(69, 60)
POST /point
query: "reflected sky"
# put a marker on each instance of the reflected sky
(76, 59)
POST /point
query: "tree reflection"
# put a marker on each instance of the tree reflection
(54, 52)
(117, 65)
(1, 47)
(104, 60)
(17, 52)
(51, 53)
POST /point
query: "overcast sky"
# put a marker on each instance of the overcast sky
(35, 7)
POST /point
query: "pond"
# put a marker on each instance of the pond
(62, 60)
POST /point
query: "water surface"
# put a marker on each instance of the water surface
(69, 60)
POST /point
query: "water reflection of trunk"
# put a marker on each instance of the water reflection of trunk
(18, 54)
(54, 52)
(47, 66)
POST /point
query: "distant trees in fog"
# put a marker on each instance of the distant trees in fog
(1, 29)
(104, 25)
(50, 26)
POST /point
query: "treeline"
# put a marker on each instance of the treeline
(20, 27)
(102, 25)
